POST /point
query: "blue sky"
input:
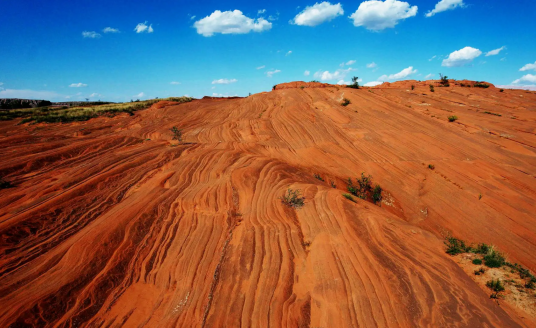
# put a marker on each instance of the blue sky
(59, 50)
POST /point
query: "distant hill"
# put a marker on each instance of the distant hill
(15, 103)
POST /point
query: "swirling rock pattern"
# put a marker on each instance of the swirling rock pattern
(111, 224)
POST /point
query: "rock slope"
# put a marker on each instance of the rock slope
(110, 223)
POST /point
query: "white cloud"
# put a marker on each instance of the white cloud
(230, 22)
(271, 73)
(261, 67)
(522, 87)
(350, 62)
(1, 83)
(174, 83)
(110, 30)
(378, 15)
(91, 34)
(140, 95)
(144, 28)
(526, 78)
(495, 52)
(288, 53)
(337, 75)
(261, 11)
(461, 57)
(224, 81)
(193, 17)
(28, 94)
(306, 73)
(78, 85)
(372, 65)
(429, 76)
(445, 5)
(318, 14)
(372, 84)
(432, 58)
(94, 95)
(527, 67)
(273, 18)
(398, 76)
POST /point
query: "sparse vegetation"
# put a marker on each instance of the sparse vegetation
(456, 246)
(495, 285)
(177, 134)
(82, 113)
(377, 194)
(444, 80)
(293, 199)
(432, 88)
(481, 85)
(346, 102)
(318, 177)
(412, 87)
(502, 90)
(431, 166)
(302, 87)
(452, 118)
(493, 258)
(477, 261)
(333, 185)
(355, 83)
(490, 113)
(349, 197)
(480, 271)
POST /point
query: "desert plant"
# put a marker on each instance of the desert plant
(431, 166)
(355, 83)
(363, 188)
(377, 194)
(479, 196)
(346, 102)
(412, 87)
(301, 87)
(481, 85)
(349, 197)
(479, 271)
(293, 199)
(502, 90)
(530, 284)
(495, 285)
(456, 246)
(333, 185)
(477, 261)
(444, 80)
(318, 177)
(432, 88)
(177, 134)
(494, 259)
(452, 118)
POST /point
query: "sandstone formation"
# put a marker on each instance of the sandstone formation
(111, 223)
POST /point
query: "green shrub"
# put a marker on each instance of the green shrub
(177, 134)
(477, 261)
(495, 285)
(355, 83)
(293, 199)
(494, 259)
(412, 87)
(502, 90)
(349, 197)
(530, 285)
(456, 246)
(345, 102)
(301, 87)
(377, 194)
(444, 80)
(481, 85)
(432, 88)
(479, 271)
(452, 118)
(482, 249)
(431, 166)
(333, 185)
(318, 177)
